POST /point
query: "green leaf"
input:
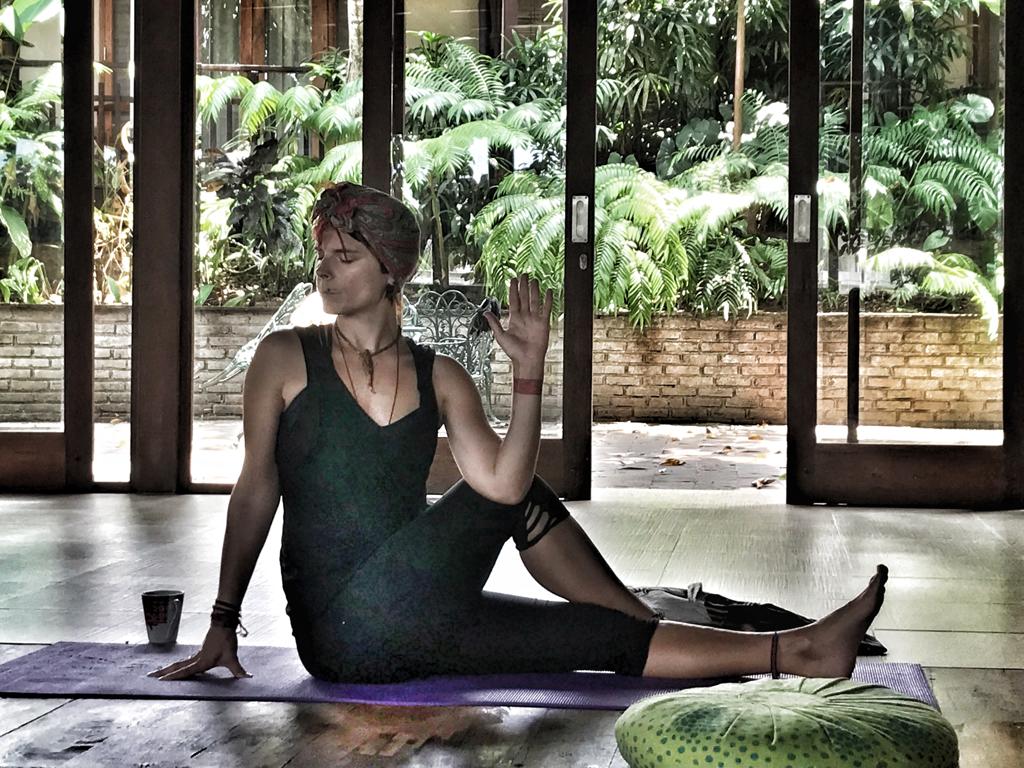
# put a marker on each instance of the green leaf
(975, 108)
(203, 294)
(10, 22)
(257, 105)
(114, 289)
(935, 240)
(16, 230)
(34, 11)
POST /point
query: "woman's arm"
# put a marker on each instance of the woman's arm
(501, 469)
(255, 496)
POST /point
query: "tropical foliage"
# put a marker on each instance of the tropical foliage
(683, 217)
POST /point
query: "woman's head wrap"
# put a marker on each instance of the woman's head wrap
(386, 225)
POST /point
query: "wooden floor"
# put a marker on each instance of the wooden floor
(72, 568)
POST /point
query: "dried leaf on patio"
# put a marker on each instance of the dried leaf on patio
(673, 462)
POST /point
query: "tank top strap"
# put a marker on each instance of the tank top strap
(424, 359)
(316, 349)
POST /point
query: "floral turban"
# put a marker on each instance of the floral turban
(386, 225)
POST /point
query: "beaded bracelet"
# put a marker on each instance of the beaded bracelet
(226, 615)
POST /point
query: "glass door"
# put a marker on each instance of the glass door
(903, 373)
(497, 155)
(279, 111)
(35, 410)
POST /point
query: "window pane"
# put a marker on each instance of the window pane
(113, 220)
(270, 133)
(910, 203)
(31, 240)
(480, 126)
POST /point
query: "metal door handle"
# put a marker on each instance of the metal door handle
(801, 218)
(580, 209)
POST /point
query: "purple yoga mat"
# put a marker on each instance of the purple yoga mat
(109, 670)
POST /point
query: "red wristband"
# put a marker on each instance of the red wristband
(527, 386)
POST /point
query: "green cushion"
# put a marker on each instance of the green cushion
(789, 723)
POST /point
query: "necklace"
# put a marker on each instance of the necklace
(367, 357)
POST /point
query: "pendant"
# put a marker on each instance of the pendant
(367, 359)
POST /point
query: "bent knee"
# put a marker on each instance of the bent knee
(536, 520)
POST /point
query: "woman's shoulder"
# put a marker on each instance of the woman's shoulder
(422, 350)
(304, 336)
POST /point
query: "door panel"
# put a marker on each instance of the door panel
(46, 323)
(534, 237)
(907, 410)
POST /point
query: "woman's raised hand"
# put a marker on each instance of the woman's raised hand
(529, 321)
(220, 649)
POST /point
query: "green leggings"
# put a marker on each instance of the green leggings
(416, 606)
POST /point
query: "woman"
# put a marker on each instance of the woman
(341, 420)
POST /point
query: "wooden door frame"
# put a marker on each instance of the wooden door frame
(61, 461)
(979, 477)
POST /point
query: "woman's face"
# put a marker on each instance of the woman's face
(348, 275)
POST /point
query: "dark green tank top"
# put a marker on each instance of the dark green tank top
(347, 483)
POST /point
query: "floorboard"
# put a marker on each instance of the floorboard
(73, 567)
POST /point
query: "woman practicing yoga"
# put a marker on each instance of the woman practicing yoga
(341, 420)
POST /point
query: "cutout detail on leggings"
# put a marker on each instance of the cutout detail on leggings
(538, 521)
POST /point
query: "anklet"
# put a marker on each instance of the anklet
(775, 656)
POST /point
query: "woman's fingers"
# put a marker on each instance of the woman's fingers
(495, 324)
(529, 294)
(524, 295)
(187, 671)
(524, 298)
(513, 295)
(173, 667)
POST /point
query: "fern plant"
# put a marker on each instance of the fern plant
(656, 244)
(448, 83)
(917, 273)
(936, 169)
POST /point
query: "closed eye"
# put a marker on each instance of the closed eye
(339, 254)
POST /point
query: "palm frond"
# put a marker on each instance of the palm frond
(214, 94)
(258, 104)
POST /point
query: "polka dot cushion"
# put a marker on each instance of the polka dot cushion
(789, 723)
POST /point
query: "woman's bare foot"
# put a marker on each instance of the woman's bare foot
(828, 647)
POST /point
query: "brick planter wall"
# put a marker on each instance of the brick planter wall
(916, 370)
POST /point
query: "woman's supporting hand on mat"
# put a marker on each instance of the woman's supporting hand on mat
(220, 649)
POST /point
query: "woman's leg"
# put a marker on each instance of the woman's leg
(826, 648)
(566, 562)
(423, 580)
(498, 633)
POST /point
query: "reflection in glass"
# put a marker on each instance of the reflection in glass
(112, 219)
(279, 110)
(31, 210)
(910, 204)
